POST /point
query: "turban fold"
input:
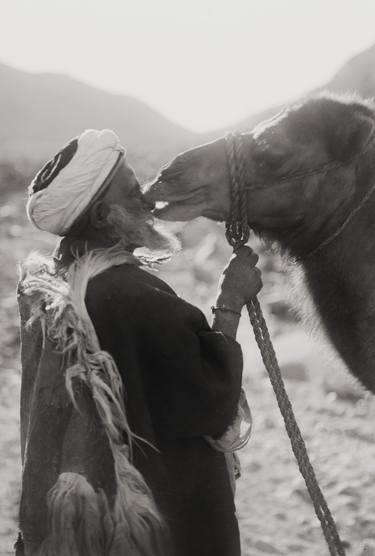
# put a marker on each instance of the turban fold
(68, 184)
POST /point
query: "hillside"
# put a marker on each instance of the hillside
(358, 74)
(275, 514)
(40, 112)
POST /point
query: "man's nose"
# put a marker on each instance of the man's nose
(149, 205)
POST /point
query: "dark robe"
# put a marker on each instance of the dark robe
(182, 382)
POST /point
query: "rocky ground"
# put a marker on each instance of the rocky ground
(336, 417)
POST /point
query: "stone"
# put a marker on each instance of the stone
(266, 548)
(368, 548)
(345, 389)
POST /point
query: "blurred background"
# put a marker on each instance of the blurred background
(165, 76)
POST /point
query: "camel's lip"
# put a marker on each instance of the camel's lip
(214, 215)
(159, 205)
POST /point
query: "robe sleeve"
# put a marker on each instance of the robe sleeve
(192, 374)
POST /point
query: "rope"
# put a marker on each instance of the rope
(237, 230)
(237, 234)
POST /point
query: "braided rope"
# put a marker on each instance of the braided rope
(237, 231)
(237, 234)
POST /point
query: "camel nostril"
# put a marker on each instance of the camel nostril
(148, 204)
(149, 189)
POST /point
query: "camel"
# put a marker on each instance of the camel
(310, 173)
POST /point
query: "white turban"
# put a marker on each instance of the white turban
(67, 184)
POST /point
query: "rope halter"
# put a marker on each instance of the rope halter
(237, 227)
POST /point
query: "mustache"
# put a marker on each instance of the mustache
(121, 220)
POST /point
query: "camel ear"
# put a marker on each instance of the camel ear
(352, 137)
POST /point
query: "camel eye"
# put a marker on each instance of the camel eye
(267, 159)
(274, 162)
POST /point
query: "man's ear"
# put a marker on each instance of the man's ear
(351, 137)
(98, 215)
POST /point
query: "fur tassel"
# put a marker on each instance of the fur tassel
(74, 519)
(141, 530)
(81, 520)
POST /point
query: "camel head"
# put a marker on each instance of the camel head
(305, 169)
(195, 183)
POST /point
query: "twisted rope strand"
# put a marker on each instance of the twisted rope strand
(237, 234)
(237, 229)
(298, 445)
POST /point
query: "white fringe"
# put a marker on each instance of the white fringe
(133, 525)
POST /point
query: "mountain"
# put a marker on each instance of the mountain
(356, 75)
(41, 112)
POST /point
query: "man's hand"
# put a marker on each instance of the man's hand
(240, 280)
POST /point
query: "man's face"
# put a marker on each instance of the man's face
(130, 217)
(125, 191)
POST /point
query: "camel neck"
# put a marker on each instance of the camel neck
(346, 222)
(341, 281)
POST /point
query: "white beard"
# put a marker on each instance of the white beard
(141, 231)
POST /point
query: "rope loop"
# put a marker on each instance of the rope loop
(237, 234)
(237, 227)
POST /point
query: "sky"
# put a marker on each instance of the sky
(202, 63)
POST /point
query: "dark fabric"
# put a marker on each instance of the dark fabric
(182, 382)
(45, 414)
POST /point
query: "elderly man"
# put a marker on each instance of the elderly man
(102, 335)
